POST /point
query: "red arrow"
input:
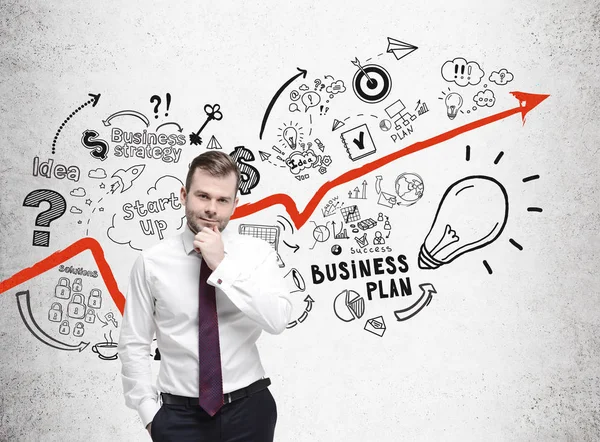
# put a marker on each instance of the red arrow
(63, 255)
(526, 103)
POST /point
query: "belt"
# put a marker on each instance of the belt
(255, 387)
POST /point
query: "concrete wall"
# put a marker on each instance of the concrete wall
(506, 348)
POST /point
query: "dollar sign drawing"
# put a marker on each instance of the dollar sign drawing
(249, 176)
(90, 140)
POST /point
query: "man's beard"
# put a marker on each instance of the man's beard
(194, 223)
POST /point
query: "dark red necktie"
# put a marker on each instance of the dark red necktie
(209, 355)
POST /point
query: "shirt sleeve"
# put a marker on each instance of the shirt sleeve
(137, 332)
(256, 286)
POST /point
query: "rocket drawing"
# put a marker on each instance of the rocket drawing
(126, 177)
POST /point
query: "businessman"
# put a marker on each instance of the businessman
(207, 294)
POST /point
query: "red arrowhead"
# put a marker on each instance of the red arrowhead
(528, 101)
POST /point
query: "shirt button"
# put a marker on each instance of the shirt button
(219, 281)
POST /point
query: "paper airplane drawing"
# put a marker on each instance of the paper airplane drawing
(336, 124)
(399, 48)
(213, 143)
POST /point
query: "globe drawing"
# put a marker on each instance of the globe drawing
(409, 187)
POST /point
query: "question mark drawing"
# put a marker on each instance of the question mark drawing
(158, 101)
(58, 207)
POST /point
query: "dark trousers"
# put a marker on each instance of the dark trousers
(250, 419)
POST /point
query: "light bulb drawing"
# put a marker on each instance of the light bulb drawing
(290, 136)
(453, 103)
(471, 214)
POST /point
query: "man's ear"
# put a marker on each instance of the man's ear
(182, 195)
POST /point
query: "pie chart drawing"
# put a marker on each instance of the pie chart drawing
(348, 305)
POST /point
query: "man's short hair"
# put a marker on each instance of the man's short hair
(217, 164)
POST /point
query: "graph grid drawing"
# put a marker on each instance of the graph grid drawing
(350, 213)
(269, 234)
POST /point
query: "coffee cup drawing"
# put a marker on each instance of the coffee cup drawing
(107, 351)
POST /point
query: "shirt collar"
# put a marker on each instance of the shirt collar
(187, 238)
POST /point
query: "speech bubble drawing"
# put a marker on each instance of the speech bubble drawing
(462, 72)
(310, 99)
(144, 221)
(294, 107)
(485, 98)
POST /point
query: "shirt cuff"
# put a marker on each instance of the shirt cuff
(225, 274)
(147, 410)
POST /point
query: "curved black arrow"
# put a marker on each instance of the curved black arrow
(36, 330)
(302, 73)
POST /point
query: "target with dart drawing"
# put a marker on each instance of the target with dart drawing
(371, 83)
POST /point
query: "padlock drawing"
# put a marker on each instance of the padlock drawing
(90, 316)
(64, 328)
(95, 299)
(78, 330)
(77, 285)
(55, 312)
(63, 289)
(76, 308)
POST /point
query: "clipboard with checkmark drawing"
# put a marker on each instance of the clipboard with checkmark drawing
(358, 142)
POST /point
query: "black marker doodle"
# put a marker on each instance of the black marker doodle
(358, 142)
(126, 178)
(290, 135)
(36, 330)
(212, 113)
(342, 234)
(302, 73)
(349, 305)
(461, 72)
(371, 83)
(269, 234)
(310, 99)
(358, 194)
(249, 175)
(213, 143)
(336, 249)
(107, 350)
(75, 210)
(58, 206)
(97, 174)
(421, 108)
(397, 111)
(309, 302)
(409, 188)
(376, 326)
(127, 113)
(501, 77)
(179, 128)
(427, 291)
(78, 192)
(295, 280)
(399, 48)
(336, 124)
(453, 102)
(471, 214)
(485, 98)
(320, 233)
(93, 102)
(385, 125)
(99, 147)
(350, 214)
(59, 171)
(158, 101)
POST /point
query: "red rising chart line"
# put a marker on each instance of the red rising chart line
(527, 102)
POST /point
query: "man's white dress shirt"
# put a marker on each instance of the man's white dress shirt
(162, 297)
